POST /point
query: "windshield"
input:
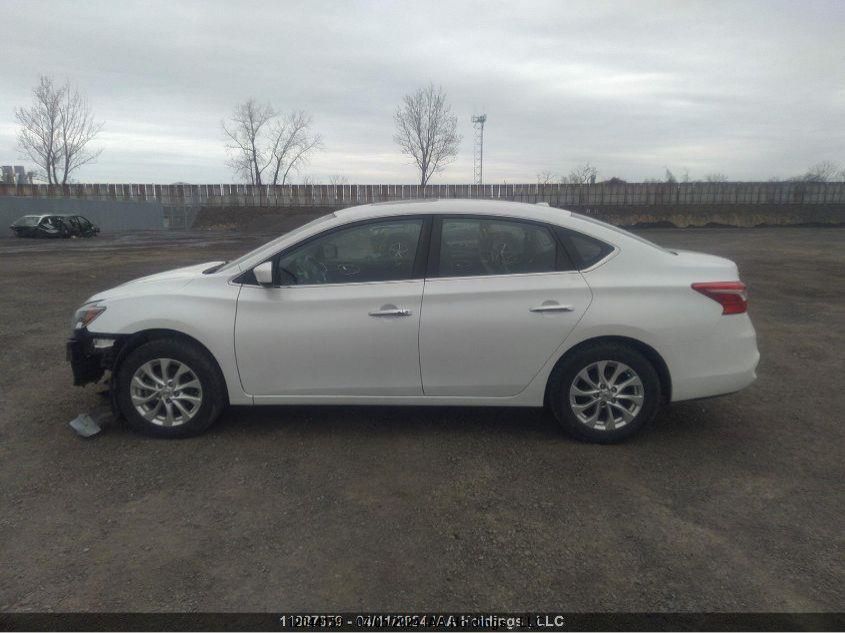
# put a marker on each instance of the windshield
(28, 220)
(616, 229)
(235, 263)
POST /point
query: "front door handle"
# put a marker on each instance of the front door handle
(551, 306)
(390, 310)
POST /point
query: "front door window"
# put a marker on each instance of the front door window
(376, 251)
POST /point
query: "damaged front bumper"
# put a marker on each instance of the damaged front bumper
(90, 355)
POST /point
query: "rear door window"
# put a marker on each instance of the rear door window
(490, 246)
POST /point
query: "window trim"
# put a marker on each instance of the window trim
(417, 270)
(564, 262)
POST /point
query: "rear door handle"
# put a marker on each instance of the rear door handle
(551, 306)
(390, 310)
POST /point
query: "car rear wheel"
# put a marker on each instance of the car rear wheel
(604, 393)
(169, 388)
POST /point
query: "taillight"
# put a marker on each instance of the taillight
(730, 295)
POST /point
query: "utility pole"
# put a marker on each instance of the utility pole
(478, 121)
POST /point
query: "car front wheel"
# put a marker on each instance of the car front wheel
(605, 393)
(169, 388)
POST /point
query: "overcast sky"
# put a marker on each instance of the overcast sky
(753, 90)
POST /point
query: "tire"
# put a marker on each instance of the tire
(604, 416)
(188, 406)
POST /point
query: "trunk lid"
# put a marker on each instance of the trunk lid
(710, 267)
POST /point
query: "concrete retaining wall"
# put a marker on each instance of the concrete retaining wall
(277, 220)
(108, 215)
(133, 214)
(722, 215)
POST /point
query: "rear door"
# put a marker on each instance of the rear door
(500, 297)
(85, 227)
(73, 225)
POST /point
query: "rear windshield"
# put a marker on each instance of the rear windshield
(28, 220)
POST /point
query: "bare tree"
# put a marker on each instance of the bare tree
(260, 139)
(582, 174)
(38, 135)
(824, 171)
(546, 177)
(715, 177)
(291, 143)
(245, 130)
(337, 180)
(56, 130)
(77, 129)
(427, 131)
(672, 179)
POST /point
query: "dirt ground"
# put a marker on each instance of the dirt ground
(729, 504)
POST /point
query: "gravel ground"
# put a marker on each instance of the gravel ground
(730, 504)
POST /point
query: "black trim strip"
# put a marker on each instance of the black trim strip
(421, 257)
(433, 268)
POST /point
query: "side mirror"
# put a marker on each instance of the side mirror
(264, 273)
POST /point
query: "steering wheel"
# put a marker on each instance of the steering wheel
(314, 269)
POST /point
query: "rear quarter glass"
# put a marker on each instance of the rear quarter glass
(585, 251)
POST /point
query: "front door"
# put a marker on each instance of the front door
(502, 298)
(342, 319)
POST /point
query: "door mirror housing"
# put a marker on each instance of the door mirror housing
(264, 273)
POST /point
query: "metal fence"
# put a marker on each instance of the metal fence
(600, 194)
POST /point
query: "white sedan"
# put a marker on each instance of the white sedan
(430, 302)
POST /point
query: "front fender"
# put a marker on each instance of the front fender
(207, 317)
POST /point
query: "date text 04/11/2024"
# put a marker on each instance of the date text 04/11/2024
(428, 621)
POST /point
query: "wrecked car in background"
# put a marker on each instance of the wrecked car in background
(54, 226)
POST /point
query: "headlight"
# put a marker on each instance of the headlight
(86, 315)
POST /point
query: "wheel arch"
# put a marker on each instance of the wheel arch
(133, 341)
(651, 354)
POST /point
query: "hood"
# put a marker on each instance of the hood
(175, 278)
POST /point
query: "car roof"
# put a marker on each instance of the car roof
(452, 206)
(41, 216)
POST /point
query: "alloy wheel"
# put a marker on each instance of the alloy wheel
(166, 392)
(606, 395)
